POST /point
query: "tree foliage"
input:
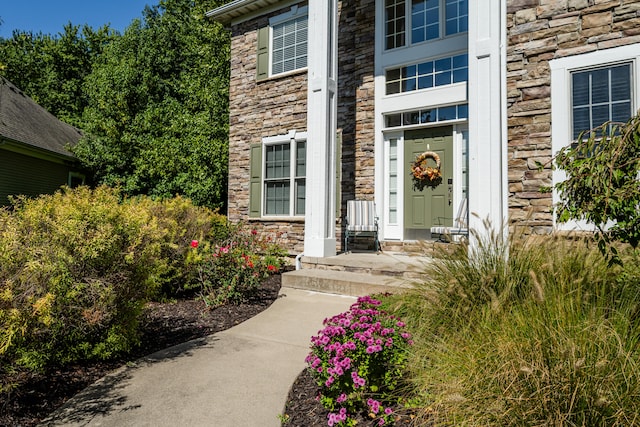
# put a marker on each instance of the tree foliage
(152, 102)
(52, 69)
(157, 114)
(603, 184)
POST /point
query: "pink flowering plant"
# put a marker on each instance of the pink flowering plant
(358, 361)
(228, 272)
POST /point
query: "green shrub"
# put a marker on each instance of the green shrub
(358, 361)
(180, 222)
(548, 335)
(229, 271)
(77, 267)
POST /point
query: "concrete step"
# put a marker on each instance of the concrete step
(343, 282)
(396, 265)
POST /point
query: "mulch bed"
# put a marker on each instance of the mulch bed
(163, 325)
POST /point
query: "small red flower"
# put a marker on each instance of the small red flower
(272, 268)
(194, 243)
(254, 232)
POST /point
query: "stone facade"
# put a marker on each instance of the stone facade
(278, 105)
(537, 32)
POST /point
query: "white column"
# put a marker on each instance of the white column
(322, 106)
(487, 114)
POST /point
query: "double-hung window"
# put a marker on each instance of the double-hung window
(278, 170)
(600, 95)
(589, 90)
(423, 20)
(282, 46)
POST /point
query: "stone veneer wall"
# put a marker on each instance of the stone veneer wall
(356, 101)
(278, 105)
(539, 31)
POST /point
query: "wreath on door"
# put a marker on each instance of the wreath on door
(424, 175)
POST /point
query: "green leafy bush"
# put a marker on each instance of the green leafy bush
(77, 267)
(602, 185)
(231, 270)
(358, 361)
(179, 223)
(548, 335)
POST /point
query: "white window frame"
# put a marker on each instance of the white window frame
(408, 27)
(292, 138)
(294, 13)
(561, 128)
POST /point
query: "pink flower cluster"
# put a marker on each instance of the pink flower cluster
(352, 353)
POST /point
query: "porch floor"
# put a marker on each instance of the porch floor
(358, 273)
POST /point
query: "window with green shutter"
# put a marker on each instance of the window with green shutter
(282, 46)
(278, 176)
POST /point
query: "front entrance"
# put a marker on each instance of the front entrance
(429, 206)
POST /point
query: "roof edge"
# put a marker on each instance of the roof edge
(242, 10)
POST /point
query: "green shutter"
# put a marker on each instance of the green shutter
(255, 182)
(339, 174)
(262, 65)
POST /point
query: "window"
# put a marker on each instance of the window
(282, 46)
(428, 115)
(600, 95)
(289, 46)
(278, 176)
(428, 20)
(439, 72)
(586, 91)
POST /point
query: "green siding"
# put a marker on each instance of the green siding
(22, 174)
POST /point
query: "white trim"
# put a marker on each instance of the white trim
(292, 137)
(561, 133)
(393, 231)
(439, 96)
(322, 110)
(487, 117)
(294, 12)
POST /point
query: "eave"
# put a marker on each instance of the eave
(239, 10)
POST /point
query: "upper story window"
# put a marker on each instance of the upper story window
(424, 20)
(282, 46)
(439, 72)
(289, 45)
(600, 95)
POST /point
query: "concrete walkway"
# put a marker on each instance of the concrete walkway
(236, 378)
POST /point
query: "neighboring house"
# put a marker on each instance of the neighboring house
(33, 155)
(353, 91)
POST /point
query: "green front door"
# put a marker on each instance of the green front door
(429, 206)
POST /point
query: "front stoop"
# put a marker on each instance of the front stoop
(357, 274)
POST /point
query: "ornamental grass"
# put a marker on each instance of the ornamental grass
(526, 331)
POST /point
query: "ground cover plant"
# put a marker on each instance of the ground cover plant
(526, 331)
(358, 362)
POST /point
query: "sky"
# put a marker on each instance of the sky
(50, 16)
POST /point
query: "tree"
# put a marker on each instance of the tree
(52, 69)
(603, 184)
(157, 115)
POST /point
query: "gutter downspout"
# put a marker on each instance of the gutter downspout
(299, 261)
